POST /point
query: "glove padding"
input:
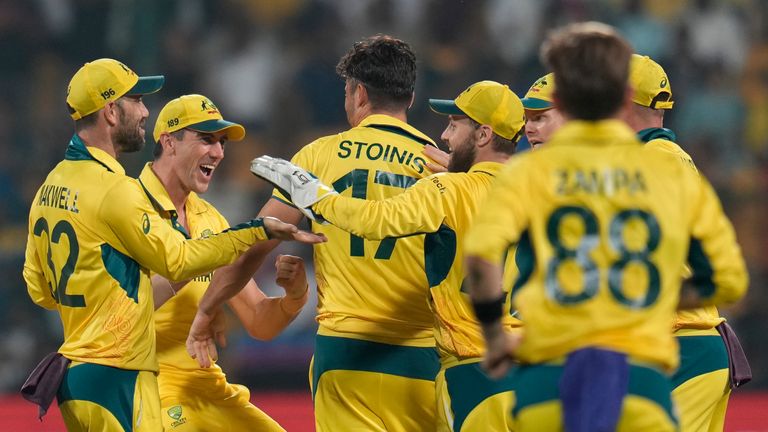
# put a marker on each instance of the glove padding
(296, 183)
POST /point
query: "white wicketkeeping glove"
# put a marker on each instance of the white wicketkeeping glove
(296, 183)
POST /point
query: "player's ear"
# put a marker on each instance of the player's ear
(484, 135)
(360, 95)
(110, 113)
(413, 98)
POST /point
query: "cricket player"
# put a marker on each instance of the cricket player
(485, 122)
(93, 240)
(375, 360)
(609, 226)
(542, 118)
(702, 382)
(190, 135)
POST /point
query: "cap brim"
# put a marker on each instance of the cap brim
(147, 85)
(446, 107)
(535, 104)
(235, 132)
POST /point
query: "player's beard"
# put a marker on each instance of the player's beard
(127, 136)
(463, 156)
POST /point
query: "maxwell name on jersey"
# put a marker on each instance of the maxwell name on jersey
(375, 151)
(58, 197)
(607, 182)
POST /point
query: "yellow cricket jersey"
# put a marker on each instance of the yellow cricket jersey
(442, 205)
(93, 239)
(661, 139)
(604, 227)
(174, 318)
(372, 290)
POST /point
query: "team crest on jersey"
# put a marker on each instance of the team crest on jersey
(206, 233)
(175, 413)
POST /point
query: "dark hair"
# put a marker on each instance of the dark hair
(158, 150)
(591, 66)
(385, 66)
(499, 143)
(83, 122)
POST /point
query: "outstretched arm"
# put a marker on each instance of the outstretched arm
(228, 281)
(265, 317)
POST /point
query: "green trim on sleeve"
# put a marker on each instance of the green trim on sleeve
(123, 269)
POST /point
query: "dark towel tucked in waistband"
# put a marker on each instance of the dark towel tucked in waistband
(42, 384)
(738, 365)
(592, 389)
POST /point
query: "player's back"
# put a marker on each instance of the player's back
(105, 307)
(610, 226)
(373, 289)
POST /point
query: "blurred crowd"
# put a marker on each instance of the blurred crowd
(270, 66)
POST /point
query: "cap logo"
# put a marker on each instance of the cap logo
(663, 83)
(541, 82)
(207, 105)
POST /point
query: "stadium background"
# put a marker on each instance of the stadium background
(270, 65)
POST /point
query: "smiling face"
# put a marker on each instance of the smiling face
(195, 157)
(541, 124)
(460, 139)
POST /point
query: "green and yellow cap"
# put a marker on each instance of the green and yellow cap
(98, 82)
(489, 103)
(539, 96)
(650, 82)
(195, 112)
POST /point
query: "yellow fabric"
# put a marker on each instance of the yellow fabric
(492, 414)
(96, 210)
(638, 415)
(205, 400)
(196, 112)
(446, 202)
(648, 79)
(702, 402)
(174, 318)
(96, 83)
(87, 416)
(210, 404)
(701, 318)
(540, 95)
(379, 298)
(358, 401)
(596, 172)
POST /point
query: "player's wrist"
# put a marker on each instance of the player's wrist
(292, 305)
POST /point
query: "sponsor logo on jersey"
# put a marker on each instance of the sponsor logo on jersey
(145, 223)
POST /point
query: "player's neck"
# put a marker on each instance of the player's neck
(172, 184)
(99, 138)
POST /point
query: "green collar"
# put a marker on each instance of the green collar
(649, 134)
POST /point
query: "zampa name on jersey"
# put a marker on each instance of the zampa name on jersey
(607, 182)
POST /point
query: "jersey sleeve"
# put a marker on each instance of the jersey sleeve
(417, 210)
(156, 245)
(37, 286)
(502, 217)
(718, 267)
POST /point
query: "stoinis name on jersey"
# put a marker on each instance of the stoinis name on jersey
(606, 182)
(376, 151)
(60, 197)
